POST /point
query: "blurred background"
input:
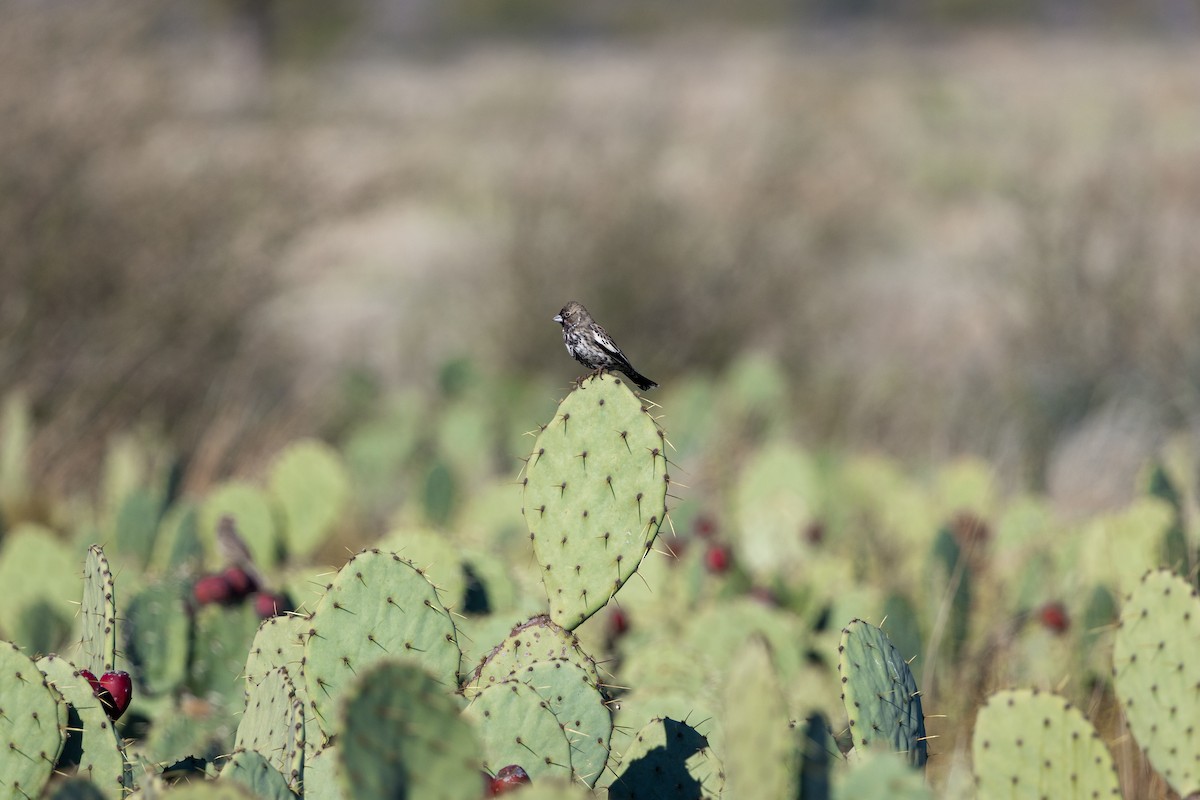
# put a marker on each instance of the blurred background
(948, 226)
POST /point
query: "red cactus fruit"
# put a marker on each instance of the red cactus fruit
(717, 558)
(1053, 617)
(509, 778)
(241, 583)
(90, 677)
(271, 604)
(213, 589)
(116, 692)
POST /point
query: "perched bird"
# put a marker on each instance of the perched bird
(590, 345)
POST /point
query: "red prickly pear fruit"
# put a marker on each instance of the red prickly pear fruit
(90, 677)
(241, 583)
(618, 624)
(1053, 617)
(509, 778)
(212, 589)
(271, 604)
(716, 558)
(705, 527)
(117, 691)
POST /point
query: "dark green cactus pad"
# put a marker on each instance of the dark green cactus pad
(595, 496)
(279, 642)
(209, 790)
(952, 583)
(37, 571)
(401, 736)
(536, 640)
(1035, 744)
(321, 775)
(311, 485)
(33, 727)
(136, 527)
(93, 749)
(74, 789)
(880, 693)
(1157, 678)
(98, 613)
(155, 630)
(668, 759)
(379, 606)
(178, 548)
(253, 516)
(759, 752)
(884, 775)
(818, 755)
(517, 726)
(221, 638)
(273, 725)
(579, 705)
(250, 770)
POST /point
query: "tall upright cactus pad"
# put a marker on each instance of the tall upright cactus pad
(668, 759)
(1034, 744)
(155, 631)
(595, 496)
(98, 613)
(273, 725)
(279, 642)
(517, 726)
(1157, 678)
(401, 735)
(880, 693)
(37, 571)
(33, 727)
(93, 749)
(379, 606)
(579, 706)
(312, 486)
(760, 748)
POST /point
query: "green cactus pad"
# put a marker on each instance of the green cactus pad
(210, 790)
(98, 614)
(437, 558)
(553, 789)
(93, 749)
(36, 569)
(321, 775)
(595, 496)
(533, 641)
(311, 485)
(178, 548)
(136, 527)
(1155, 675)
(155, 630)
(401, 736)
(668, 759)
(253, 516)
(379, 606)
(33, 727)
(273, 725)
(279, 642)
(221, 638)
(759, 749)
(517, 726)
(250, 770)
(1035, 744)
(880, 693)
(883, 774)
(578, 704)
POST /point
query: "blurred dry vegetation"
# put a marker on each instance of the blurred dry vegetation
(238, 227)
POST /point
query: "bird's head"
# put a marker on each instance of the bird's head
(572, 313)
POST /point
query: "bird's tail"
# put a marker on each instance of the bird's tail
(638, 378)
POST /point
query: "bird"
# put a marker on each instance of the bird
(590, 345)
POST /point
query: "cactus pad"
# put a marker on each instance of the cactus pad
(253, 517)
(595, 496)
(155, 632)
(668, 759)
(517, 726)
(311, 484)
(99, 614)
(759, 747)
(92, 748)
(279, 642)
(1031, 744)
(401, 736)
(321, 775)
(273, 725)
(578, 705)
(1156, 676)
(252, 771)
(379, 606)
(533, 641)
(880, 693)
(884, 774)
(32, 728)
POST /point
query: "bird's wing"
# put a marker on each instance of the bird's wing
(604, 340)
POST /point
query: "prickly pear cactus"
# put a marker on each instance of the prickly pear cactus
(595, 496)
(517, 726)
(155, 630)
(880, 693)
(33, 727)
(664, 756)
(1035, 744)
(250, 770)
(531, 642)
(273, 725)
(401, 735)
(279, 642)
(99, 614)
(1155, 675)
(310, 483)
(579, 706)
(760, 748)
(883, 774)
(379, 606)
(93, 748)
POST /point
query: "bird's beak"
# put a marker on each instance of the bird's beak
(558, 318)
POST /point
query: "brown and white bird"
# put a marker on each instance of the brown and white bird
(590, 345)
